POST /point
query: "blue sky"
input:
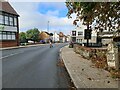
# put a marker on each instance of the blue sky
(37, 15)
(62, 12)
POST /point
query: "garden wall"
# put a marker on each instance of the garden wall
(96, 55)
(99, 57)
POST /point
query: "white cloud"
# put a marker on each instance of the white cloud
(30, 17)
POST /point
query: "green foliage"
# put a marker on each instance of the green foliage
(33, 34)
(106, 14)
(22, 37)
(51, 34)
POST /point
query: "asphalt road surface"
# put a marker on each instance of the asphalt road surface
(32, 67)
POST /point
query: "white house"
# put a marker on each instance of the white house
(55, 37)
(77, 35)
(107, 36)
(68, 39)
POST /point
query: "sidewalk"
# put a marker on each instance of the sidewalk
(21, 46)
(6, 48)
(83, 73)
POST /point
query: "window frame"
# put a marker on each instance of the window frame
(11, 20)
(8, 21)
(2, 19)
(6, 33)
(80, 33)
(73, 33)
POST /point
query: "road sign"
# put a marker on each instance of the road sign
(87, 34)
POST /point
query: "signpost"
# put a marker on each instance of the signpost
(87, 35)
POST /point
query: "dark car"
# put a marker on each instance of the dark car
(42, 41)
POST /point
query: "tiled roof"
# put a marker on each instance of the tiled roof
(6, 7)
(61, 34)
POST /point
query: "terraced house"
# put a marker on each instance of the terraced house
(9, 27)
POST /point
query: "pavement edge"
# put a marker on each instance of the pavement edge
(60, 54)
(17, 47)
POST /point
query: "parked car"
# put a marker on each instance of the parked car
(29, 41)
(23, 44)
(42, 41)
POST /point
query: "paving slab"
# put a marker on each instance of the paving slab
(84, 74)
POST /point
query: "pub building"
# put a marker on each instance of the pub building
(9, 26)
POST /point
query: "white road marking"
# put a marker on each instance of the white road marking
(10, 55)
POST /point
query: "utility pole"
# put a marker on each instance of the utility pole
(54, 36)
(88, 38)
(48, 26)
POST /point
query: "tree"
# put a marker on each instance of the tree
(33, 34)
(51, 34)
(106, 14)
(22, 37)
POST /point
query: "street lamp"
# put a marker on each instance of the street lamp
(48, 26)
(54, 36)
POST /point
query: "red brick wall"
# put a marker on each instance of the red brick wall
(8, 44)
(17, 38)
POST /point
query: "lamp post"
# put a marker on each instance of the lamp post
(48, 26)
(54, 36)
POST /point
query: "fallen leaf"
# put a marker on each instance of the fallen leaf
(82, 69)
(108, 82)
(90, 78)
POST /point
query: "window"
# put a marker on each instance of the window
(7, 36)
(13, 36)
(6, 20)
(80, 33)
(4, 36)
(1, 19)
(15, 21)
(81, 40)
(11, 21)
(73, 33)
(78, 40)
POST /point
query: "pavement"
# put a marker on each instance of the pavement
(34, 45)
(84, 74)
(15, 47)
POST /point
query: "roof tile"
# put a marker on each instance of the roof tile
(6, 7)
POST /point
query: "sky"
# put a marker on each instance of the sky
(37, 15)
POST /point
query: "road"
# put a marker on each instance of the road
(31, 67)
